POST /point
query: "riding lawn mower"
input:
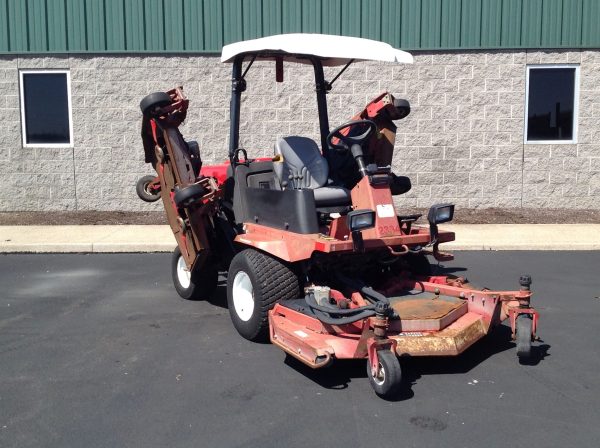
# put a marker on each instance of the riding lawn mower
(318, 259)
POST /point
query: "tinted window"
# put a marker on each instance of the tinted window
(46, 102)
(550, 112)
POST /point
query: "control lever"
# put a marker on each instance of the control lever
(295, 180)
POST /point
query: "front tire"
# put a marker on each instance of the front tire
(386, 382)
(196, 285)
(255, 283)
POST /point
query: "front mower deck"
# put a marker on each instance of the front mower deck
(435, 316)
(299, 333)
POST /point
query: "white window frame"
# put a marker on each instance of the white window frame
(22, 98)
(575, 105)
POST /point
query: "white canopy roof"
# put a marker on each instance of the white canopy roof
(333, 50)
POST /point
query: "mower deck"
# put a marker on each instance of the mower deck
(317, 348)
(428, 324)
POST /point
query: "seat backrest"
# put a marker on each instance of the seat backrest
(301, 156)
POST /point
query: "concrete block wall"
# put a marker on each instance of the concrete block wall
(463, 141)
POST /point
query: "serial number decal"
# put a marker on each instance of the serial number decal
(388, 229)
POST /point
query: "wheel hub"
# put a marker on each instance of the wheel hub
(379, 377)
(183, 273)
(243, 296)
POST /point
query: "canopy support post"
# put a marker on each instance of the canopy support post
(321, 88)
(238, 85)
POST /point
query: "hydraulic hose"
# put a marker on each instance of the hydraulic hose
(334, 316)
(343, 320)
(367, 291)
(310, 299)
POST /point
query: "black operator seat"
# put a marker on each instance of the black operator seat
(304, 166)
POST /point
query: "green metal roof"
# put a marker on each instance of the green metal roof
(203, 26)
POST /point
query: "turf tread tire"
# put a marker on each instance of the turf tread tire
(272, 281)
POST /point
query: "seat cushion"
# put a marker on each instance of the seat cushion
(332, 196)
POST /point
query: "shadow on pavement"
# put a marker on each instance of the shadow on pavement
(538, 353)
(440, 269)
(341, 373)
(219, 297)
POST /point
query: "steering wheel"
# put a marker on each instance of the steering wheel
(345, 142)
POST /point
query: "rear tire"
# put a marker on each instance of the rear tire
(197, 285)
(142, 190)
(524, 330)
(387, 382)
(255, 283)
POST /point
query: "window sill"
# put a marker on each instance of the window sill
(550, 142)
(49, 145)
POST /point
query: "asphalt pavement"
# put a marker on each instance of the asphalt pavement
(98, 350)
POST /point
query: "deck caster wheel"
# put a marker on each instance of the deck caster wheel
(196, 285)
(256, 281)
(386, 382)
(186, 196)
(144, 190)
(524, 331)
(154, 101)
